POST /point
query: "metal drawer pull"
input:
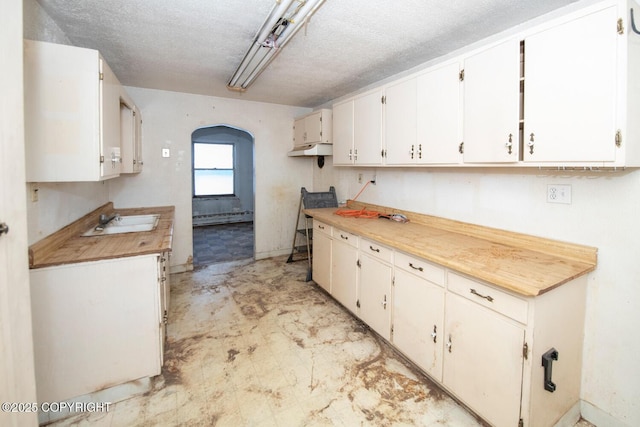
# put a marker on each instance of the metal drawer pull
(434, 334)
(321, 227)
(384, 303)
(415, 268)
(4, 228)
(344, 237)
(449, 344)
(374, 249)
(487, 297)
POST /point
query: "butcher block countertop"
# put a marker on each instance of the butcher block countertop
(67, 245)
(526, 265)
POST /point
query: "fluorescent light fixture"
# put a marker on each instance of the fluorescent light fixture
(284, 21)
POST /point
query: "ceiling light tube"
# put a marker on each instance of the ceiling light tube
(279, 10)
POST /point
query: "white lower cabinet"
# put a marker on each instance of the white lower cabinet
(418, 312)
(321, 264)
(374, 290)
(344, 269)
(482, 343)
(97, 324)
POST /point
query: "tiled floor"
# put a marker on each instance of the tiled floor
(250, 343)
(221, 243)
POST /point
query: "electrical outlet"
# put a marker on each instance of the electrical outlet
(34, 191)
(166, 152)
(559, 194)
(359, 178)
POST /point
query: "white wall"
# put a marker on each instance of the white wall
(169, 118)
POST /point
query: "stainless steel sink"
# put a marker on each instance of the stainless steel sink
(126, 224)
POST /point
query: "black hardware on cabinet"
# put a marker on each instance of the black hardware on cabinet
(547, 362)
(4, 228)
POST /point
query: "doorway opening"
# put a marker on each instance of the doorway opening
(222, 194)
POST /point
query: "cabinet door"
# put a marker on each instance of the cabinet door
(299, 132)
(439, 126)
(322, 260)
(344, 274)
(137, 146)
(313, 128)
(483, 360)
(491, 100)
(127, 136)
(343, 133)
(400, 123)
(110, 155)
(418, 317)
(570, 91)
(374, 295)
(367, 128)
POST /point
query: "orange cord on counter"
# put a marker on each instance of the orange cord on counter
(358, 213)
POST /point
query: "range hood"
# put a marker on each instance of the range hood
(311, 150)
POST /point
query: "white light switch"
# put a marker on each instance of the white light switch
(166, 152)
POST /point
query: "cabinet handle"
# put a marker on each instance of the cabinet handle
(531, 143)
(4, 228)
(434, 334)
(321, 227)
(419, 151)
(509, 144)
(384, 303)
(374, 249)
(350, 154)
(412, 151)
(355, 154)
(415, 268)
(487, 297)
(449, 344)
(344, 237)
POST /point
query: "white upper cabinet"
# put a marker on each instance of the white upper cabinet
(401, 123)
(439, 126)
(570, 91)
(314, 128)
(491, 100)
(367, 128)
(357, 130)
(343, 133)
(130, 135)
(73, 114)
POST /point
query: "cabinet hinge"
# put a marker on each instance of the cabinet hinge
(525, 351)
(383, 99)
(358, 264)
(620, 26)
(521, 423)
(101, 76)
(461, 75)
(618, 138)
(461, 148)
(358, 303)
(101, 159)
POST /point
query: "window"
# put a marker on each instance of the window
(213, 169)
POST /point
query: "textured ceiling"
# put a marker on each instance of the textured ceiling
(195, 45)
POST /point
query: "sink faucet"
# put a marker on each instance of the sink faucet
(104, 220)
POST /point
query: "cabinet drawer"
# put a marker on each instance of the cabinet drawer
(488, 296)
(321, 227)
(420, 268)
(376, 250)
(345, 237)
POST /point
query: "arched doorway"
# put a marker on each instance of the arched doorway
(222, 194)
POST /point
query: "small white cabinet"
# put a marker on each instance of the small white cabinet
(344, 269)
(357, 130)
(74, 108)
(97, 324)
(130, 135)
(321, 263)
(418, 312)
(374, 290)
(570, 91)
(491, 100)
(313, 128)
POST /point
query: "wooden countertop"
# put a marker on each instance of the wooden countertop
(526, 265)
(67, 245)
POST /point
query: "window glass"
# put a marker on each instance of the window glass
(212, 169)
